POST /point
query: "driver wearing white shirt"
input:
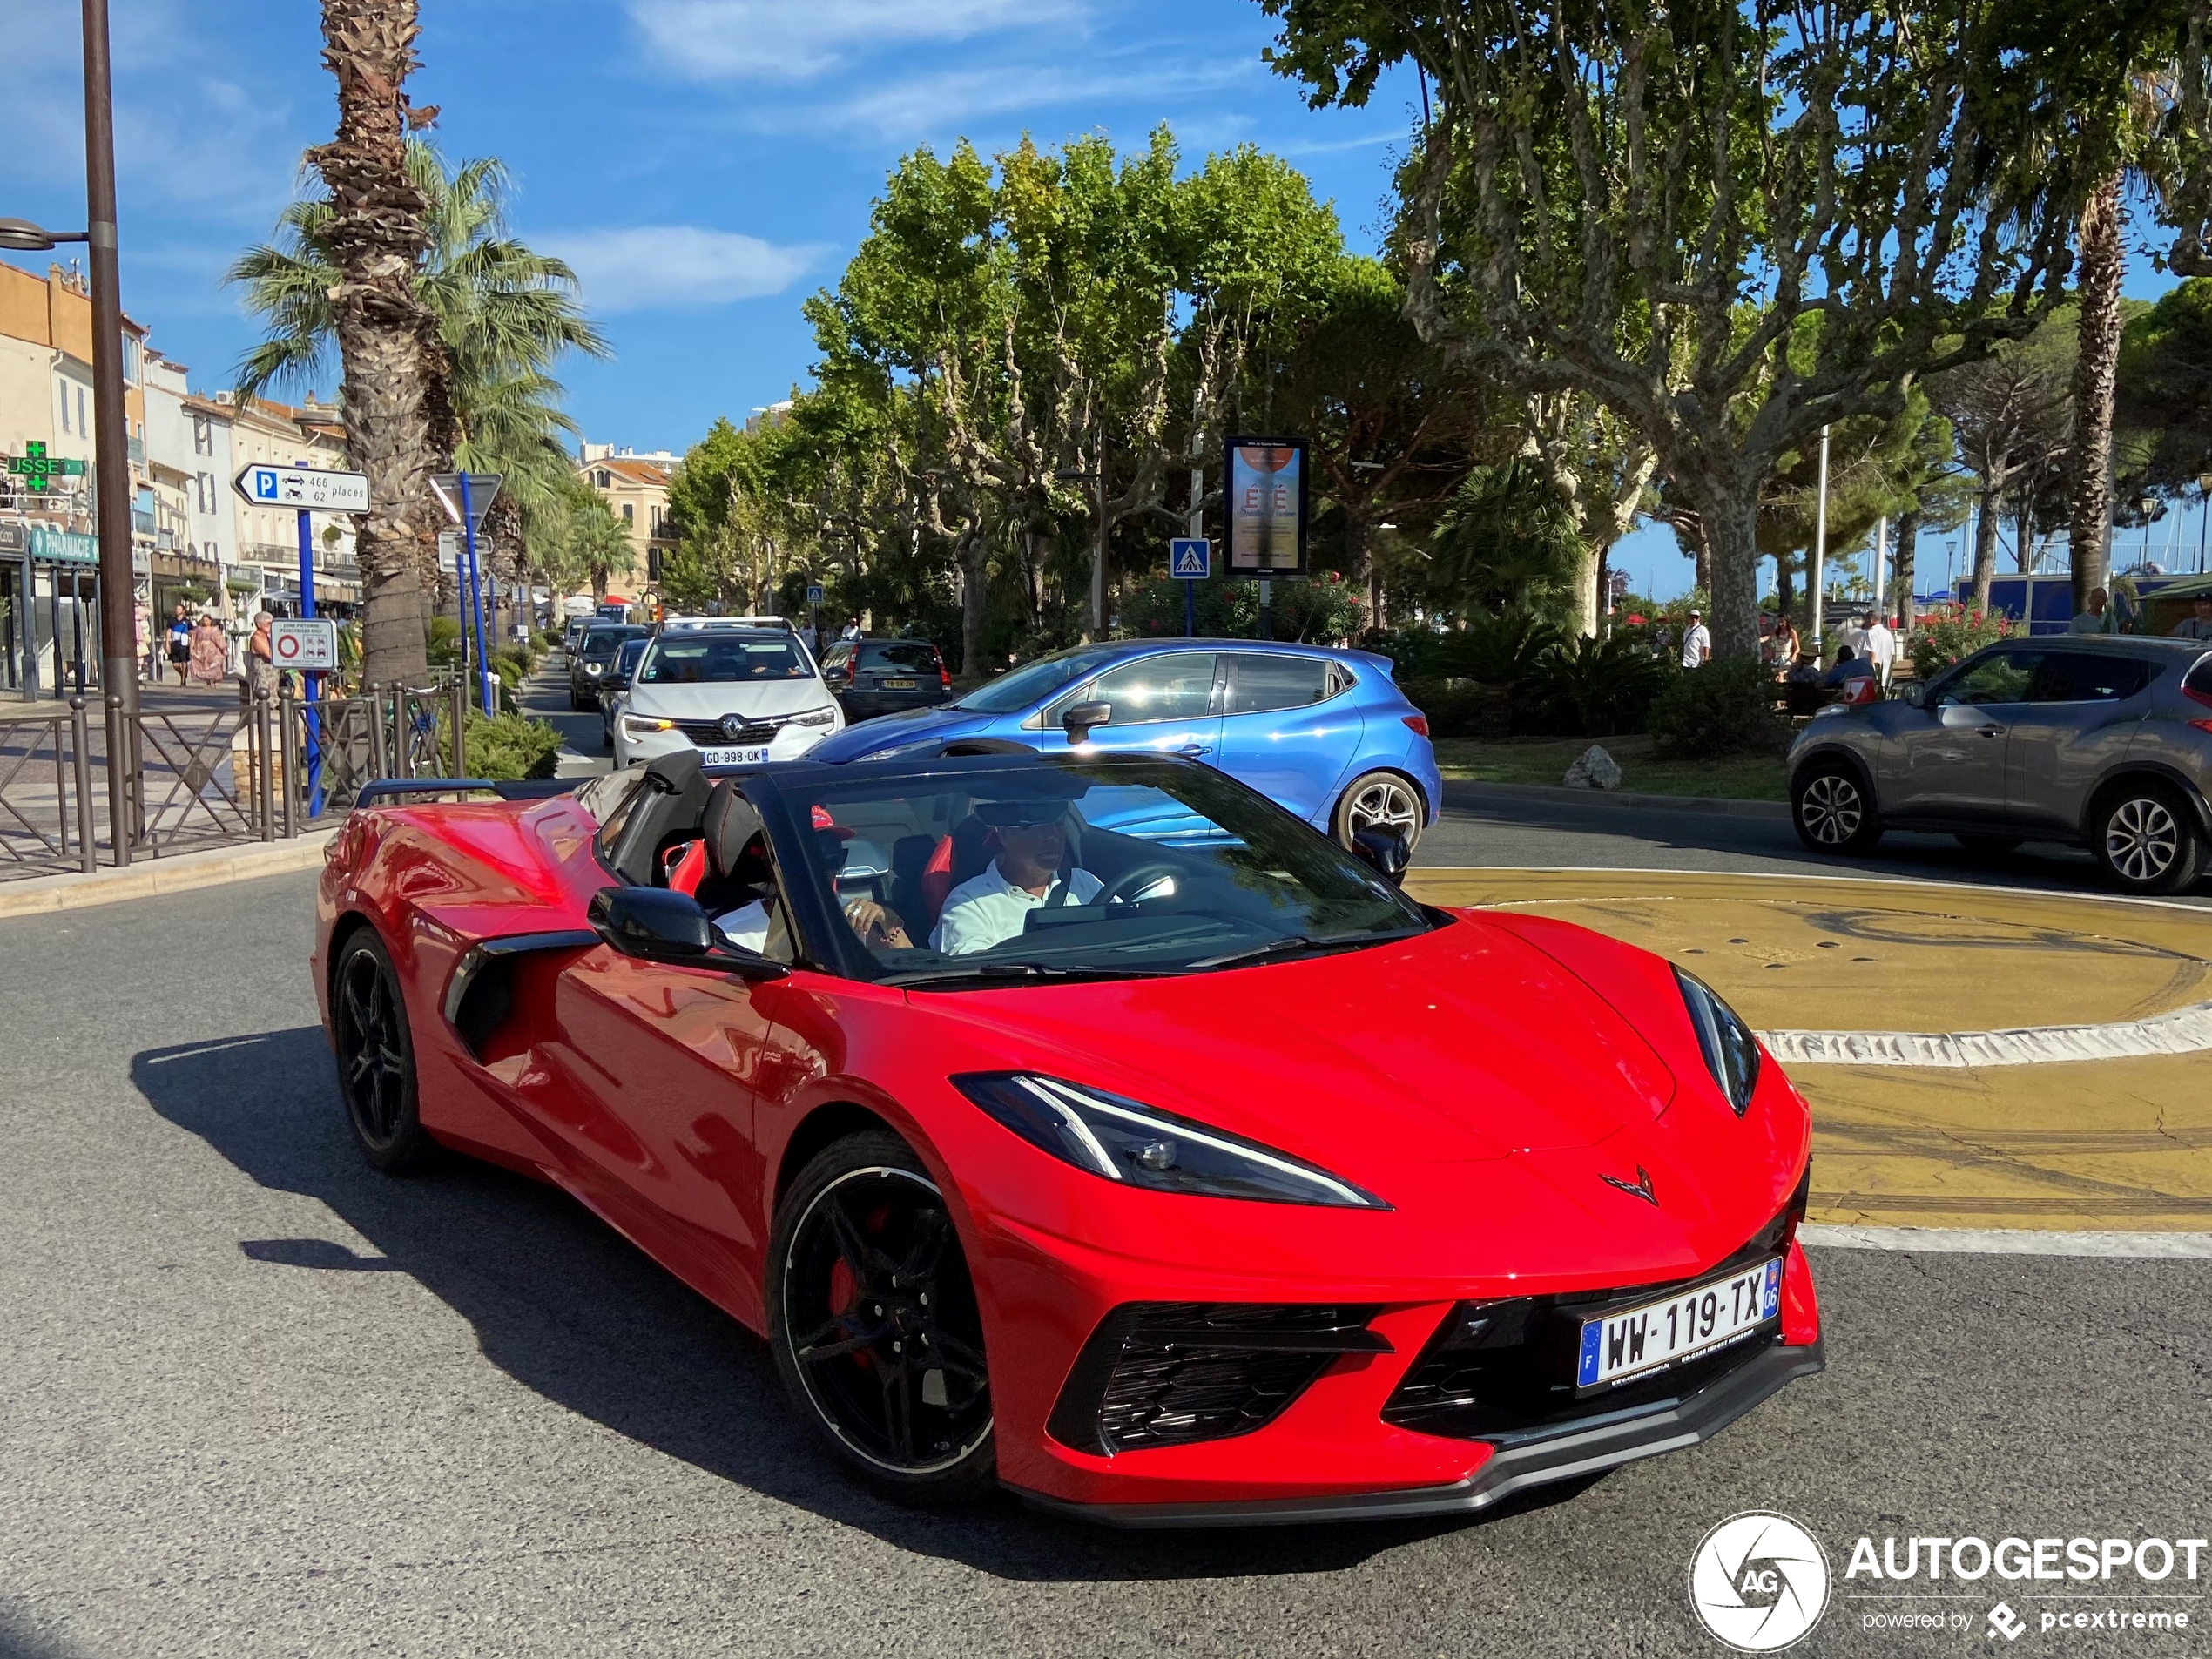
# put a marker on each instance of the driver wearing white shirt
(1025, 876)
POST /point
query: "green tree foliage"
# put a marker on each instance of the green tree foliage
(1505, 540)
(1640, 205)
(2166, 385)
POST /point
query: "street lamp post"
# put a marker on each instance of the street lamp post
(110, 448)
(2203, 515)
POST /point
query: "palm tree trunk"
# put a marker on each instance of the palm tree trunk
(385, 335)
(2096, 370)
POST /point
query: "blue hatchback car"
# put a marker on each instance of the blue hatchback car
(1323, 732)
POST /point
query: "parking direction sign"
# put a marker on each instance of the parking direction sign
(1188, 557)
(309, 645)
(307, 489)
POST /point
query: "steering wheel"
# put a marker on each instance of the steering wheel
(1124, 887)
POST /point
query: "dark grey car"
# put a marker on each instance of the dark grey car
(593, 656)
(2094, 741)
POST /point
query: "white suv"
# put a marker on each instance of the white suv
(737, 693)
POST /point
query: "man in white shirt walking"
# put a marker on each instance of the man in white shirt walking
(1696, 642)
(994, 907)
(1881, 646)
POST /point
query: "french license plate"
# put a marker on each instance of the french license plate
(897, 685)
(731, 757)
(1691, 1323)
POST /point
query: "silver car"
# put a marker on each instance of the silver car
(2093, 741)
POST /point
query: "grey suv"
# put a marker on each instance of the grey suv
(2098, 742)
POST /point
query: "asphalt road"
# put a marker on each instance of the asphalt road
(255, 1400)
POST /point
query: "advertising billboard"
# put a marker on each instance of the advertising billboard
(1265, 506)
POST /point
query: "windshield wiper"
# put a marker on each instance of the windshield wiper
(984, 973)
(1295, 942)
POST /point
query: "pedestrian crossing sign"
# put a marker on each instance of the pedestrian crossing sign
(1187, 558)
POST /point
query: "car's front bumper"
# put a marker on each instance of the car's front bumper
(790, 743)
(1537, 1458)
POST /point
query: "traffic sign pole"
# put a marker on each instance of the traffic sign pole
(475, 601)
(306, 613)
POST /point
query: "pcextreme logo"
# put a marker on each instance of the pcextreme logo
(1759, 1581)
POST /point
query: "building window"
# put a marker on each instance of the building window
(203, 437)
(206, 482)
(629, 513)
(65, 427)
(600, 479)
(81, 426)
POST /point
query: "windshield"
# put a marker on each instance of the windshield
(900, 657)
(626, 659)
(703, 659)
(1035, 681)
(601, 642)
(1112, 868)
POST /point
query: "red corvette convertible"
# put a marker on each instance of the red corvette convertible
(1092, 1127)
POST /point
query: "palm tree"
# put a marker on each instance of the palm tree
(504, 316)
(372, 241)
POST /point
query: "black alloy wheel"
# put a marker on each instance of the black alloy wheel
(375, 1054)
(2143, 833)
(1832, 811)
(874, 1323)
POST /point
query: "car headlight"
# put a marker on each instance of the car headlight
(637, 725)
(595, 668)
(1141, 1146)
(814, 716)
(1731, 1052)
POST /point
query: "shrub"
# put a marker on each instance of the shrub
(1459, 708)
(1600, 686)
(505, 746)
(1943, 634)
(1720, 709)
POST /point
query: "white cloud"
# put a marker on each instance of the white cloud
(799, 39)
(673, 268)
(932, 105)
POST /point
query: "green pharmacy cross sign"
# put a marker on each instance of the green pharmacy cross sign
(36, 465)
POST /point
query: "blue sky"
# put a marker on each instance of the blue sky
(704, 164)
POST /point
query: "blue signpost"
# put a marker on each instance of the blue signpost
(308, 491)
(1190, 557)
(476, 600)
(466, 497)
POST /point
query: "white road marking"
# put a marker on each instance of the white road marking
(2186, 1030)
(1997, 1241)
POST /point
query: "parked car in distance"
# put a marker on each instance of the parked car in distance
(572, 632)
(873, 677)
(1323, 732)
(593, 656)
(738, 694)
(2103, 741)
(614, 683)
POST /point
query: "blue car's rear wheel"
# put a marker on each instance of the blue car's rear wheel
(1379, 800)
(874, 1321)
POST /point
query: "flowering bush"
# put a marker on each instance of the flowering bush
(1943, 634)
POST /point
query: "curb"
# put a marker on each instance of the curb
(1557, 794)
(215, 866)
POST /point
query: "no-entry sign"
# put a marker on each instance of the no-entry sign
(309, 645)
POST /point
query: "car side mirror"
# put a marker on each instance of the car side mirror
(657, 925)
(1077, 718)
(1915, 693)
(1387, 849)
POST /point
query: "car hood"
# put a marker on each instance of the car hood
(939, 725)
(712, 699)
(1463, 1045)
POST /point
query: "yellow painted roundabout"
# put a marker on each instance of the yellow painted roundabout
(1975, 1057)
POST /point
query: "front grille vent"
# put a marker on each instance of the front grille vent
(709, 734)
(1168, 1373)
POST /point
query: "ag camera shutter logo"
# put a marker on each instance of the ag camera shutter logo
(1759, 1581)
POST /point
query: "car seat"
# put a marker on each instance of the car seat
(733, 853)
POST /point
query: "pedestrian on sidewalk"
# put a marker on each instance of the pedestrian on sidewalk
(211, 654)
(180, 643)
(2099, 618)
(2198, 626)
(1787, 647)
(1696, 642)
(260, 659)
